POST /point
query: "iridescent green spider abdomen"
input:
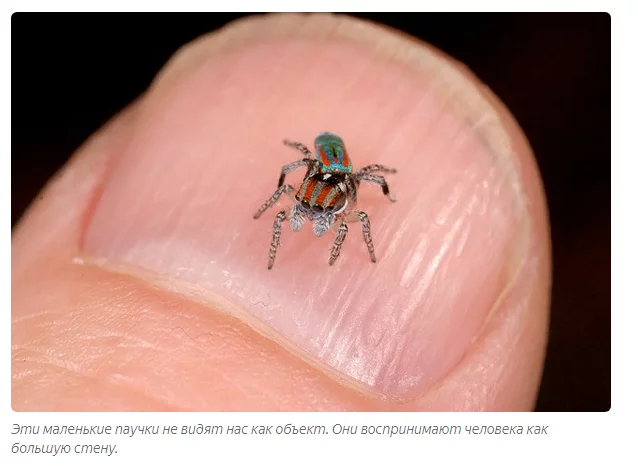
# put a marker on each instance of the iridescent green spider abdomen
(331, 154)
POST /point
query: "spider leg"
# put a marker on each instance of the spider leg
(300, 147)
(351, 187)
(276, 235)
(359, 216)
(377, 179)
(375, 167)
(310, 163)
(270, 202)
(336, 245)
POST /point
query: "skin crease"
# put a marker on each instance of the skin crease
(85, 337)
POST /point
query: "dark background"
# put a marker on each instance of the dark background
(70, 73)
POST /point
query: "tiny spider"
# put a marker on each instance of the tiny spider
(323, 195)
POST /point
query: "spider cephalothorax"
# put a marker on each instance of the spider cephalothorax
(325, 194)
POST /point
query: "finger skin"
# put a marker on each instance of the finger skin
(86, 337)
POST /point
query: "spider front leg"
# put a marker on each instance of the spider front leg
(353, 216)
(336, 245)
(351, 188)
(375, 167)
(359, 216)
(300, 147)
(276, 235)
(377, 179)
(307, 162)
(270, 202)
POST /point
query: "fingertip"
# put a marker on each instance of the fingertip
(450, 254)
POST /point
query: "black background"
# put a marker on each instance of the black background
(70, 73)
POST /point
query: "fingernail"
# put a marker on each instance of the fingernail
(207, 152)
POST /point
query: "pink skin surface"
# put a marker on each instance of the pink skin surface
(156, 274)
